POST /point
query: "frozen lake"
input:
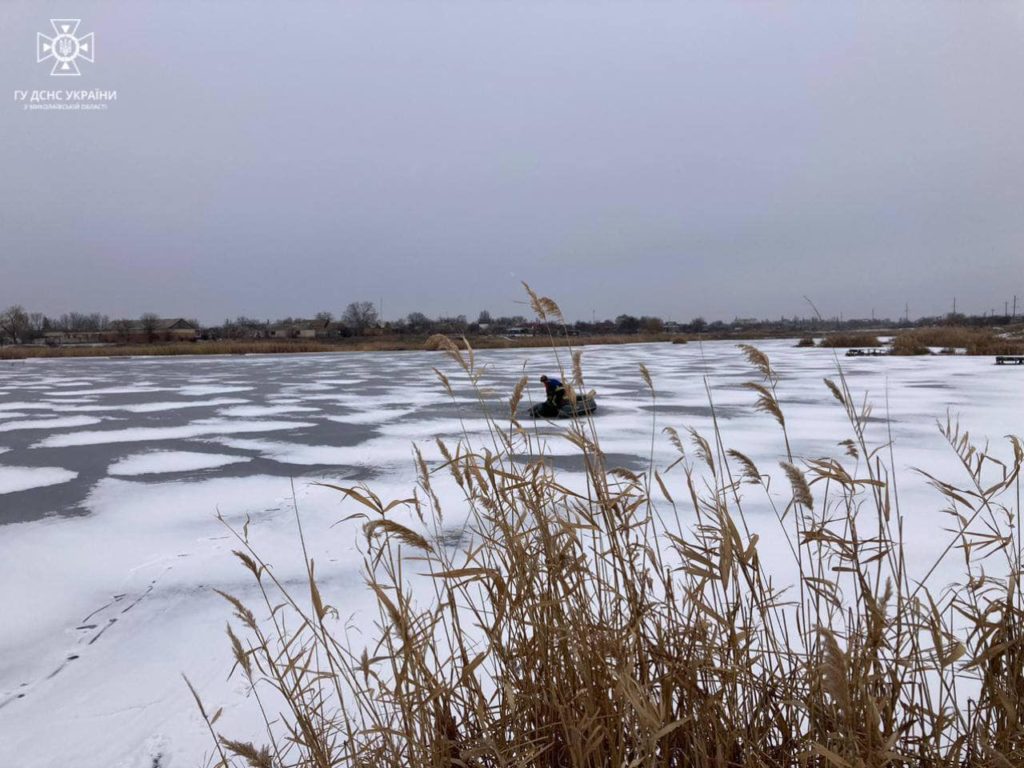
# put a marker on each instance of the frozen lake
(112, 473)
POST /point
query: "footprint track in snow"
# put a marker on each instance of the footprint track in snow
(90, 629)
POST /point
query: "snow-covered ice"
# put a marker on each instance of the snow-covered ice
(113, 544)
(157, 407)
(14, 479)
(210, 389)
(64, 422)
(152, 434)
(250, 411)
(163, 462)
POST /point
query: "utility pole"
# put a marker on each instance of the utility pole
(954, 305)
(1015, 306)
(1006, 309)
(906, 312)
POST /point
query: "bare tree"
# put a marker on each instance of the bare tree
(359, 315)
(652, 324)
(14, 323)
(38, 325)
(150, 323)
(123, 329)
(418, 322)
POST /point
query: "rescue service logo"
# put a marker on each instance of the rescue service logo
(66, 48)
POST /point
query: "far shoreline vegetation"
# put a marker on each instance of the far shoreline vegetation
(25, 335)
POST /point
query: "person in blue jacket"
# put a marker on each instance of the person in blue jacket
(554, 390)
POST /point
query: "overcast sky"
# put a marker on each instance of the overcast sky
(675, 158)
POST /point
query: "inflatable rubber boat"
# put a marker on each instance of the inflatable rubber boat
(582, 407)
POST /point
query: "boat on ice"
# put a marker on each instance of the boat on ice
(584, 405)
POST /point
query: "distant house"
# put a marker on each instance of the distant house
(302, 329)
(128, 332)
(60, 338)
(162, 329)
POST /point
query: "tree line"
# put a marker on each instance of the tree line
(20, 326)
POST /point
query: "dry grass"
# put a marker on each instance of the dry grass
(975, 341)
(436, 342)
(633, 622)
(169, 349)
(268, 347)
(908, 344)
(850, 340)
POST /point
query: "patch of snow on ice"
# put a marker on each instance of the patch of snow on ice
(158, 407)
(210, 389)
(376, 416)
(57, 423)
(159, 462)
(372, 453)
(266, 410)
(115, 391)
(14, 479)
(141, 434)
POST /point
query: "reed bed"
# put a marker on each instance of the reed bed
(631, 620)
(269, 347)
(845, 339)
(974, 341)
(168, 349)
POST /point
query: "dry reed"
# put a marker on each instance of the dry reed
(974, 341)
(850, 339)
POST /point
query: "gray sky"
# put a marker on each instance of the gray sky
(677, 158)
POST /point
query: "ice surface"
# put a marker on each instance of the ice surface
(210, 389)
(95, 658)
(139, 389)
(372, 454)
(57, 423)
(153, 434)
(126, 587)
(376, 416)
(14, 479)
(179, 404)
(161, 462)
(266, 410)
(158, 407)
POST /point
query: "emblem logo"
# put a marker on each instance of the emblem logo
(65, 47)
